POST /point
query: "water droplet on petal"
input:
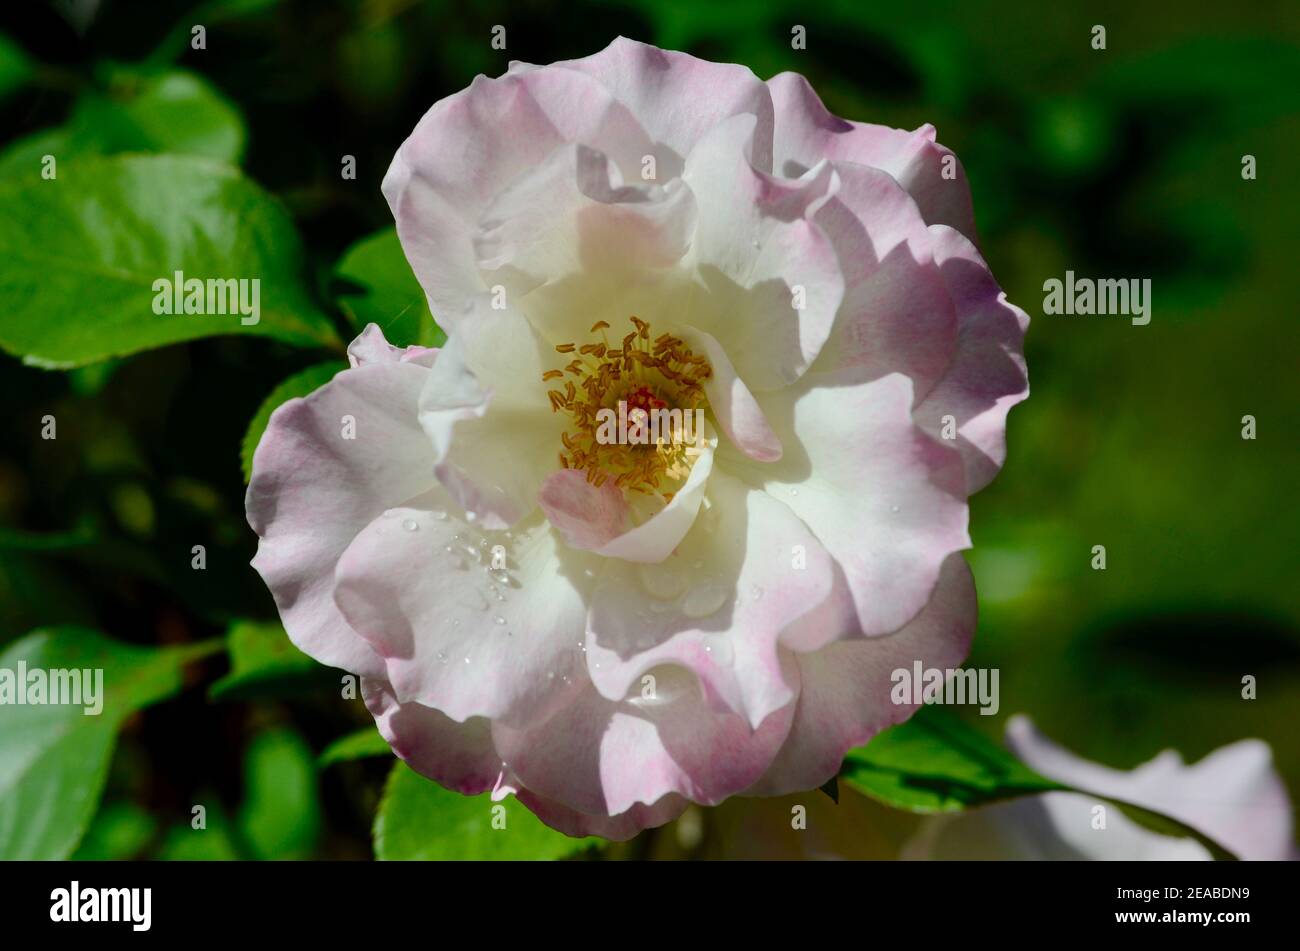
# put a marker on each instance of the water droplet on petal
(442, 657)
(440, 515)
(719, 648)
(893, 508)
(499, 619)
(411, 525)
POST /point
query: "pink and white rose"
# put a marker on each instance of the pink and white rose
(612, 631)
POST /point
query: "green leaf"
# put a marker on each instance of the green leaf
(54, 758)
(363, 743)
(15, 66)
(215, 842)
(281, 814)
(419, 820)
(22, 159)
(120, 832)
(149, 111)
(264, 662)
(79, 256)
(936, 763)
(383, 290)
(300, 384)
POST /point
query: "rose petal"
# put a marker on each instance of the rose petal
(574, 215)
(485, 409)
(458, 755)
(618, 828)
(885, 499)
(1234, 795)
(771, 280)
(457, 634)
(313, 489)
(468, 147)
(370, 346)
(747, 571)
(845, 697)
(604, 757)
(987, 376)
(897, 315)
(678, 99)
(806, 133)
(586, 515)
(731, 402)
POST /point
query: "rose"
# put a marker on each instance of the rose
(1234, 796)
(613, 631)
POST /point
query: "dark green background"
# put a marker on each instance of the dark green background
(1117, 163)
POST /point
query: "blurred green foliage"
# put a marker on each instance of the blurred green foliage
(1123, 162)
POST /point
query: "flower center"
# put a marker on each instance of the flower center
(637, 410)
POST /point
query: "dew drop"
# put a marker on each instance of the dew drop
(703, 599)
(893, 508)
(410, 525)
(440, 515)
(442, 657)
(499, 619)
(719, 648)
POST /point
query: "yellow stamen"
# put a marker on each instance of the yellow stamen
(661, 373)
